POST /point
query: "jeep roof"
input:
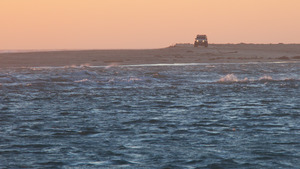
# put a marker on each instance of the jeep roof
(201, 37)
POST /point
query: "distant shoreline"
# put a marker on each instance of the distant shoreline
(94, 49)
(179, 53)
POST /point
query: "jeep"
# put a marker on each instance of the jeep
(201, 40)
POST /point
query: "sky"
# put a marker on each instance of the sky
(143, 24)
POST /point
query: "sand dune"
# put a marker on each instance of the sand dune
(180, 53)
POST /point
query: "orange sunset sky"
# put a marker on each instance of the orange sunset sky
(119, 24)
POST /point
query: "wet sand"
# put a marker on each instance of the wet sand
(180, 53)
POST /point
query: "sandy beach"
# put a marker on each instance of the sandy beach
(179, 53)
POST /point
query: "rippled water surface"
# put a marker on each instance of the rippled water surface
(151, 116)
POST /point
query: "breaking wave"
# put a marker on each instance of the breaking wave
(231, 78)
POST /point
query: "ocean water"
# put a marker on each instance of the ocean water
(151, 116)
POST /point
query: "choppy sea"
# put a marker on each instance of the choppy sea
(151, 116)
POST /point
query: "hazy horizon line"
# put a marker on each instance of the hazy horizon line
(172, 45)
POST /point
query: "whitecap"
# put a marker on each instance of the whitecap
(83, 80)
(134, 79)
(232, 78)
(266, 77)
(229, 78)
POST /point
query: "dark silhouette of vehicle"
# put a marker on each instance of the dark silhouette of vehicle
(201, 40)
